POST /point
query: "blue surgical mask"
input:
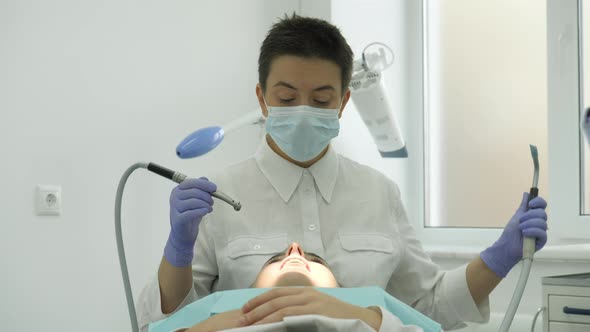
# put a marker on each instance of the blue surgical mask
(302, 131)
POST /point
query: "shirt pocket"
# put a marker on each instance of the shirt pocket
(369, 259)
(365, 242)
(247, 245)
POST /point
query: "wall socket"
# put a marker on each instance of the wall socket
(48, 200)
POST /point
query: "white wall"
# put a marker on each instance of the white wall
(86, 89)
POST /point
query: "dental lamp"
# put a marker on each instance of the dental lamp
(371, 100)
(206, 139)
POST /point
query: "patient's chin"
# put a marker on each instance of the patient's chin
(293, 279)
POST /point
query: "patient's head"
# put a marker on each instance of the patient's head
(294, 267)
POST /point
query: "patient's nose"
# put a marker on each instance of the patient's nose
(294, 248)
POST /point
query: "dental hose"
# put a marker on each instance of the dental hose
(169, 174)
(528, 251)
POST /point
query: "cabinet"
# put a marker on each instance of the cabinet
(567, 302)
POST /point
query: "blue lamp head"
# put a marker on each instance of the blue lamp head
(200, 142)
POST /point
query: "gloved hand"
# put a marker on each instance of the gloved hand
(507, 250)
(189, 202)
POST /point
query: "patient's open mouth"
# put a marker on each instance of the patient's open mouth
(295, 261)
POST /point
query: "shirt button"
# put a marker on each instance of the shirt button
(257, 247)
(311, 227)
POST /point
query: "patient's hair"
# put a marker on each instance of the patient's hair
(305, 37)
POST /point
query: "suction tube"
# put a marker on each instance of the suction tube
(121, 248)
(169, 174)
(517, 296)
(528, 251)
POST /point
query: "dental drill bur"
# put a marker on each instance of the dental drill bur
(179, 177)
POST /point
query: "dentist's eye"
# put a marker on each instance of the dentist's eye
(321, 102)
(286, 101)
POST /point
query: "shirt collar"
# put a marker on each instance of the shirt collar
(325, 171)
(284, 176)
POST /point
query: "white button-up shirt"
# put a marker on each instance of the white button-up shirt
(347, 213)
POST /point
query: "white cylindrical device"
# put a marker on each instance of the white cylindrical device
(371, 101)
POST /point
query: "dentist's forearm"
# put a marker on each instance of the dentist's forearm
(175, 284)
(481, 280)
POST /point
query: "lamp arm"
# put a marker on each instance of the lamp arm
(253, 117)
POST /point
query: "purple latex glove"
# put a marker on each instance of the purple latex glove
(190, 201)
(507, 250)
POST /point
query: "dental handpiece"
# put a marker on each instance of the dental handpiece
(528, 249)
(534, 188)
(179, 177)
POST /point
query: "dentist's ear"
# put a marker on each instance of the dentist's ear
(261, 102)
(344, 102)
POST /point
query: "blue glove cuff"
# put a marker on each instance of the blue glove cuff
(500, 267)
(177, 257)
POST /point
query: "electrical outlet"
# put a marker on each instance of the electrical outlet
(48, 200)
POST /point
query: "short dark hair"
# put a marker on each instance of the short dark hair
(305, 37)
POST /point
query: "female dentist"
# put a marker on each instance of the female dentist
(296, 188)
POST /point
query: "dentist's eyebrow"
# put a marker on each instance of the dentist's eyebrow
(324, 88)
(321, 88)
(285, 84)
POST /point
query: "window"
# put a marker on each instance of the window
(565, 103)
(485, 102)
